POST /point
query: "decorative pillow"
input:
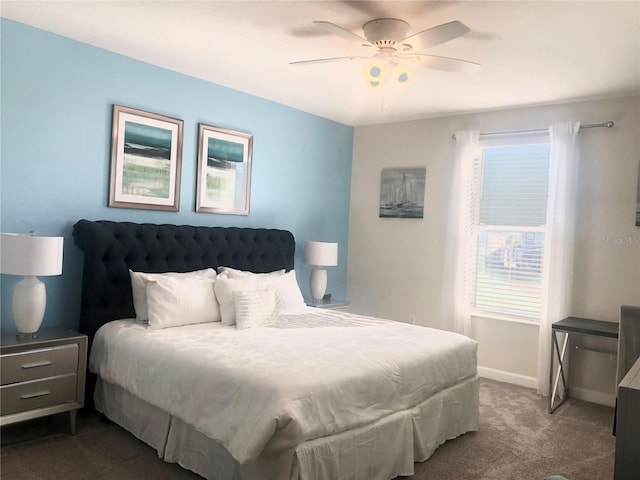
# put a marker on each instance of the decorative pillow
(176, 301)
(138, 280)
(234, 273)
(224, 288)
(288, 295)
(255, 308)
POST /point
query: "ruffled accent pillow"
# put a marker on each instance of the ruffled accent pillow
(224, 289)
(254, 308)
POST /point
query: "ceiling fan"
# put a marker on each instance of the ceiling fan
(394, 50)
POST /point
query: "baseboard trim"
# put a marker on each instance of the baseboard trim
(591, 396)
(508, 377)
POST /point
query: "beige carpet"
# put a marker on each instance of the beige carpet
(517, 440)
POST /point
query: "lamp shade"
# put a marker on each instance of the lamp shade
(321, 253)
(30, 255)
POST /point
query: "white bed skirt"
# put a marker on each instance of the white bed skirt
(380, 451)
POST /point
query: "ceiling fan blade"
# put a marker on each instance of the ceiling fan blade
(341, 32)
(440, 63)
(437, 35)
(326, 60)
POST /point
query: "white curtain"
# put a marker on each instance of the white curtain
(459, 234)
(558, 256)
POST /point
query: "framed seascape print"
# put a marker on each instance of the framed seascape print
(402, 192)
(224, 171)
(146, 160)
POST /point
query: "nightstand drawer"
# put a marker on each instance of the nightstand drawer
(34, 364)
(25, 396)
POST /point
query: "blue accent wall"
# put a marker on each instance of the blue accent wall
(56, 99)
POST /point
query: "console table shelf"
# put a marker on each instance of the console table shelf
(573, 326)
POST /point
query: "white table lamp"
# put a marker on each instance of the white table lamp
(320, 254)
(31, 256)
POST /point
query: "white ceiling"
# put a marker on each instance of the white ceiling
(532, 52)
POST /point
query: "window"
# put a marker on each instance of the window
(508, 216)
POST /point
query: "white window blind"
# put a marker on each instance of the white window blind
(509, 209)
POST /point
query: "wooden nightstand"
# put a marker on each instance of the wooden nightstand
(342, 305)
(42, 376)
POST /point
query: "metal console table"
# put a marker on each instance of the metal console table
(572, 326)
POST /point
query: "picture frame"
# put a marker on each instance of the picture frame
(402, 192)
(224, 171)
(146, 160)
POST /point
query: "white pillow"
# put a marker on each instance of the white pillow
(176, 301)
(288, 294)
(224, 288)
(254, 309)
(138, 280)
(235, 273)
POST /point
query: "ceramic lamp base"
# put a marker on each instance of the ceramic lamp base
(318, 283)
(29, 303)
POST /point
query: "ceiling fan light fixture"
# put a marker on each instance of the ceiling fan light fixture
(402, 74)
(394, 49)
(374, 75)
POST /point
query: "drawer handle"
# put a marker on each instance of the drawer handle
(37, 364)
(26, 396)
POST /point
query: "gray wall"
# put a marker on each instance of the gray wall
(396, 266)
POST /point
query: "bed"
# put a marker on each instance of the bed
(300, 394)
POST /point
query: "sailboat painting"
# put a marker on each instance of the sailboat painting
(402, 192)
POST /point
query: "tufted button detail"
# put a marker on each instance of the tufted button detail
(112, 248)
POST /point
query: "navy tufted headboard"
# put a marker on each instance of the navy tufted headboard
(112, 248)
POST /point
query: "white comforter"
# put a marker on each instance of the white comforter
(269, 389)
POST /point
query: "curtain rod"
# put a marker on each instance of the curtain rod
(608, 124)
